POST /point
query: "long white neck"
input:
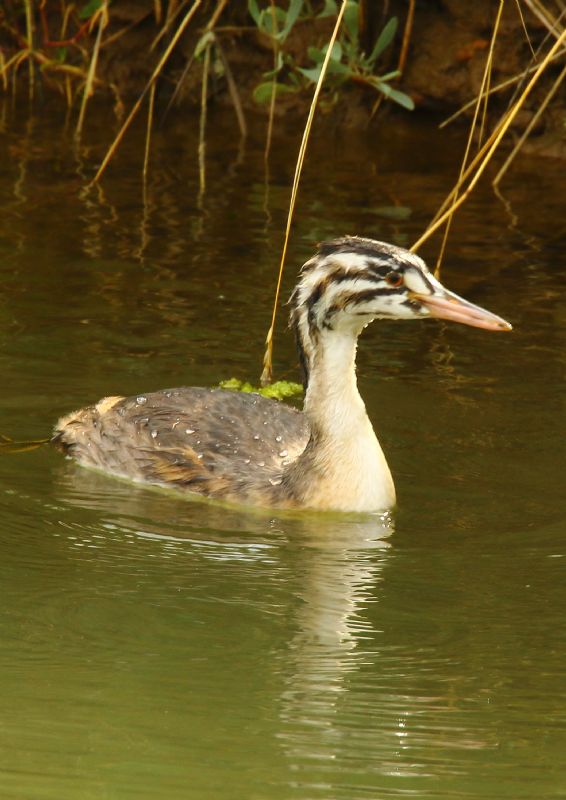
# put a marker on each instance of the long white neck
(343, 466)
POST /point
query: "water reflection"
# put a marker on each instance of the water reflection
(160, 647)
(174, 516)
(337, 563)
(343, 566)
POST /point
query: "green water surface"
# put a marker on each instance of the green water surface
(154, 647)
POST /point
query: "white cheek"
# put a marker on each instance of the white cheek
(415, 282)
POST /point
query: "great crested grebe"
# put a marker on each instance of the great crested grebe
(245, 448)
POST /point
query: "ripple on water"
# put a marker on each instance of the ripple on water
(154, 647)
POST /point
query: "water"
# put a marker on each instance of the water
(157, 647)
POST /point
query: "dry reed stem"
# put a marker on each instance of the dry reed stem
(491, 138)
(487, 144)
(540, 110)
(14, 60)
(177, 88)
(469, 169)
(29, 34)
(271, 116)
(486, 78)
(68, 92)
(406, 36)
(483, 94)
(495, 139)
(148, 131)
(202, 125)
(66, 69)
(267, 374)
(270, 121)
(232, 89)
(102, 17)
(524, 26)
(66, 16)
(118, 35)
(3, 75)
(500, 86)
(172, 14)
(18, 61)
(544, 16)
(114, 146)
(216, 16)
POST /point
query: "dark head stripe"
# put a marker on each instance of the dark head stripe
(371, 294)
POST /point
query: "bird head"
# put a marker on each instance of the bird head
(363, 279)
(351, 281)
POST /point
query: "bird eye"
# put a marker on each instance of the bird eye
(394, 278)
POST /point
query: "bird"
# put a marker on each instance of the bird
(252, 450)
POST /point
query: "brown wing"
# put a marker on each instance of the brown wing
(210, 441)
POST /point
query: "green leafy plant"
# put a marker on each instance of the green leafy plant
(348, 62)
(273, 21)
(89, 9)
(276, 23)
